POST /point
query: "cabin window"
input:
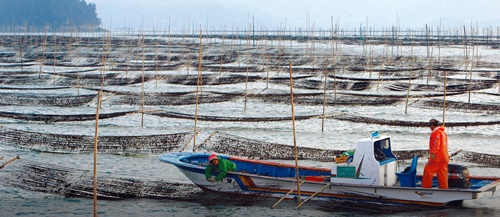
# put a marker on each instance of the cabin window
(382, 150)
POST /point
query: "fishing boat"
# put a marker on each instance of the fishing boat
(370, 174)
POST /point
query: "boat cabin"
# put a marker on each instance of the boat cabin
(372, 163)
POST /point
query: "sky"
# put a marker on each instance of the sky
(273, 14)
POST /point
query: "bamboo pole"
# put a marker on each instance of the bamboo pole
(325, 74)
(156, 61)
(232, 38)
(314, 195)
(427, 39)
(279, 53)
(198, 87)
(334, 64)
(54, 59)
(409, 79)
(169, 42)
(70, 41)
(222, 54)
(8, 162)
(206, 139)
(129, 51)
(142, 83)
(470, 72)
(77, 65)
(42, 61)
(247, 63)
(96, 139)
(21, 52)
(286, 195)
(190, 140)
(429, 68)
(295, 149)
(264, 60)
(439, 42)
(103, 60)
(267, 70)
(186, 51)
(466, 53)
(385, 52)
(370, 65)
(444, 97)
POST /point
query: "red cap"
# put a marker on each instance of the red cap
(212, 156)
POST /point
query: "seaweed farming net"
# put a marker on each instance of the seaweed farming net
(339, 99)
(230, 119)
(254, 149)
(171, 99)
(71, 182)
(244, 147)
(61, 118)
(469, 107)
(42, 100)
(121, 145)
(478, 158)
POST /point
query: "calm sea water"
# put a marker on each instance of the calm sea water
(336, 135)
(18, 202)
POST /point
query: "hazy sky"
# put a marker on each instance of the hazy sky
(293, 13)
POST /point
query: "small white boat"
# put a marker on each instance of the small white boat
(369, 175)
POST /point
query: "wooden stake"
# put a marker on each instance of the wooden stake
(222, 54)
(54, 64)
(21, 52)
(156, 61)
(247, 63)
(409, 79)
(470, 72)
(439, 43)
(334, 64)
(385, 51)
(324, 96)
(316, 193)
(429, 67)
(286, 195)
(444, 97)
(8, 162)
(103, 60)
(43, 54)
(77, 64)
(279, 53)
(142, 92)
(96, 139)
(169, 44)
(186, 52)
(295, 150)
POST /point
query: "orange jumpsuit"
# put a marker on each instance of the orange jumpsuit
(438, 160)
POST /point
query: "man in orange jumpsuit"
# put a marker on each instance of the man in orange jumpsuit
(439, 157)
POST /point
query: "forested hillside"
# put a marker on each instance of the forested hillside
(53, 14)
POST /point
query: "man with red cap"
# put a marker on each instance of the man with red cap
(439, 157)
(222, 165)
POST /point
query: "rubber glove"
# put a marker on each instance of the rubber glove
(212, 180)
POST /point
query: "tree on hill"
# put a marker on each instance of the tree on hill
(54, 14)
